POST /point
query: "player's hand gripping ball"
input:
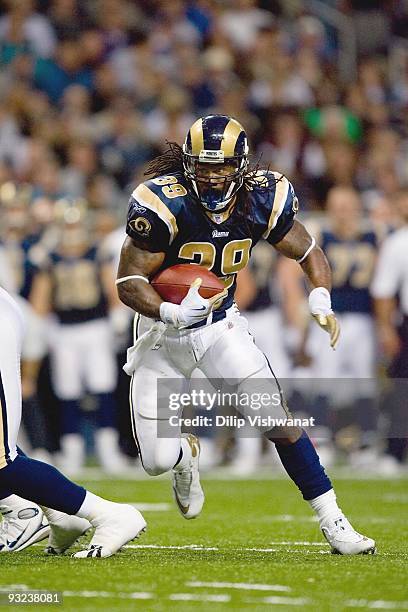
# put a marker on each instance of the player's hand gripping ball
(174, 283)
(190, 292)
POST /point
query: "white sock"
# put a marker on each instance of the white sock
(13, 502)
(53, 516)
(325, 505)
(91, 506)
(186, 457)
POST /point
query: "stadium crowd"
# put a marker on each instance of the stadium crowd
(90, 91)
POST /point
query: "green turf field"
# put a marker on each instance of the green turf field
(255, 547)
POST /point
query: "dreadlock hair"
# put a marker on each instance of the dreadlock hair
(171, 161)
(168, 162)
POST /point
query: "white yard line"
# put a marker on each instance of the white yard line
(378, 604)
(395, 498)
(151, 507)
(281, 601)
(295, 543)
(288, 550)
(290, 518)
(244, 586)
(108, 595)
(194, 547)
(194, 597)
(199, 548)
(14, 587)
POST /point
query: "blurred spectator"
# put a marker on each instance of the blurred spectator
(53, 76)
(81, 165)
(22, 30)
(67, 17)
(242, 22)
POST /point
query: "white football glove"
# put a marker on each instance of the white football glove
(320, 307)
(193, 308)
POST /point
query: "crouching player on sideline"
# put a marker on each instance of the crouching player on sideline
(69, 508)
(204, 205)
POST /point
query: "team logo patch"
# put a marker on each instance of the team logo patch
(217, 234)
(141, 225)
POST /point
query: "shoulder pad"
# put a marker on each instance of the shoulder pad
(283, 206)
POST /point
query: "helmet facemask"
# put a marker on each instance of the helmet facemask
(214, 191)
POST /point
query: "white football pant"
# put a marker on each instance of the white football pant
(11, 338)
(224, 350)
(353, 359)
(82, 359)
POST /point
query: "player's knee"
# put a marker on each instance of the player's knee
(161, 461)
(157, 468)
(154, 470)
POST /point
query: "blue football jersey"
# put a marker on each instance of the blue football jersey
(263, 267)
(165, 217)
(77, 293)
(23, 268)
(352, 263)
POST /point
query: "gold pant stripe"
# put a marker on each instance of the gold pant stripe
(150, 200)
(281, 193)
(3, 452)
(131, 386)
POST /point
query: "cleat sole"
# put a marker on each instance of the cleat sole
(369, 551)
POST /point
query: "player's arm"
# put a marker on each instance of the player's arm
(384, 289)
(290, 279)
(245, 292)
(385, 310)
(298, 244)
(137, 265)
(40, 294)
(40, 299)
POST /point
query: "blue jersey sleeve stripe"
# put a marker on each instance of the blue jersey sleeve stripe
(279, 201)
(146, 197)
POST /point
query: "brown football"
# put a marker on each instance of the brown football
(173, 283)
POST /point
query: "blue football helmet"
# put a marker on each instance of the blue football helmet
(215, 159)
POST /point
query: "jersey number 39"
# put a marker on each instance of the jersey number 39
(235, 256)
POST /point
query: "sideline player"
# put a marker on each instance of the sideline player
(75, 283)
(390, 291)
(22, 478)
(204, 205)
(19, 240)
(350, 246)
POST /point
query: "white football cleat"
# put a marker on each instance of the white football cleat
(117, 525)
(65, 532)
(22, 527)
(344, 540)
(187, 489)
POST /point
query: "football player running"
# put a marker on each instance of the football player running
(205, 205)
